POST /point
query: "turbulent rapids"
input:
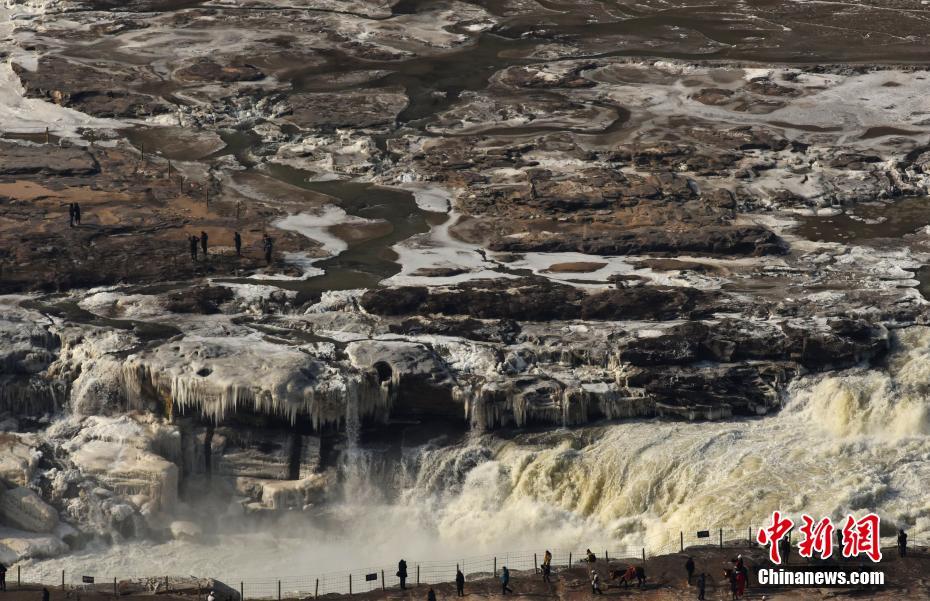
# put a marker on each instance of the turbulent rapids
(846, 442)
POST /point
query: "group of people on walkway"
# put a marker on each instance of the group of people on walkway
(701, 579)
(200, 244)
(736, 577)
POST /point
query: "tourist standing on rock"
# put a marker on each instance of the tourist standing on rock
(2, 577)
(547, 558)
(402, 573)
(505, 580)
(193, 242)
(591, 557)
(595, 583)
(211, 596)
(689, 567)
(902, 542)
(430, 594)
(70, 214)
(701, 585)
(268, 246)
(77, 214)
(546, 571)
(459, 582)
(203, 242)
(237, 240)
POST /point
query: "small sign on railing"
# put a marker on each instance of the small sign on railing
(87, 579)
(371, 577)
(703, 534)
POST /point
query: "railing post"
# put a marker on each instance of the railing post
(241, 591)
(279, 590)
(115, 588)
(535, 565)
(418, 574)
(495, 567)
(350, 583)
(681, 534)
(62, 580)
(721, 538)
(569, 559)
(644, 557)
(19, 579)
(606, 557)
(383, 588)
(749, 534)
(316, 589)
(166, 584)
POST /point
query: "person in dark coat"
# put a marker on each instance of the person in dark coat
(430, 594)
(70, 214)
(505, 580)
(689, 567)
(193, 241)
(2, 577)
(459, 583)
(784, 549)
(701, 586)
(902, 542)
(546, 572)
(237, 240)
(203, 242)
(45, 594)
(77, 214)
(402, 573)
(268, 247)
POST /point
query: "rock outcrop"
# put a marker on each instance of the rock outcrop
(23, 509)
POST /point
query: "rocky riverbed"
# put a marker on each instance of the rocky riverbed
(490, 220)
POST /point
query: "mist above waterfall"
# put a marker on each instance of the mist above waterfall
(852, 441)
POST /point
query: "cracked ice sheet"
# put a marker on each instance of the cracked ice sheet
(316, 226)
(438, 249)
(19, 114)
(428, 197)
(539, 263)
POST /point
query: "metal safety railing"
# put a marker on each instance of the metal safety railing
(362, 580)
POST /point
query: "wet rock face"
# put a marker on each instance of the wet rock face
(204, 300)
(372, 108)
(208, 70)
(99, 91)
(538, 299)
(22, 508)
(34, 159)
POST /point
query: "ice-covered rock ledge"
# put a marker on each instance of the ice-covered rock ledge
(218, 376)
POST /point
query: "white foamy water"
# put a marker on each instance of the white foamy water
(854, 441)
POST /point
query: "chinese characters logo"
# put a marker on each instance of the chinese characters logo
(854, 538)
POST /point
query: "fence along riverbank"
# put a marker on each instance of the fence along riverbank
(361, 580)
